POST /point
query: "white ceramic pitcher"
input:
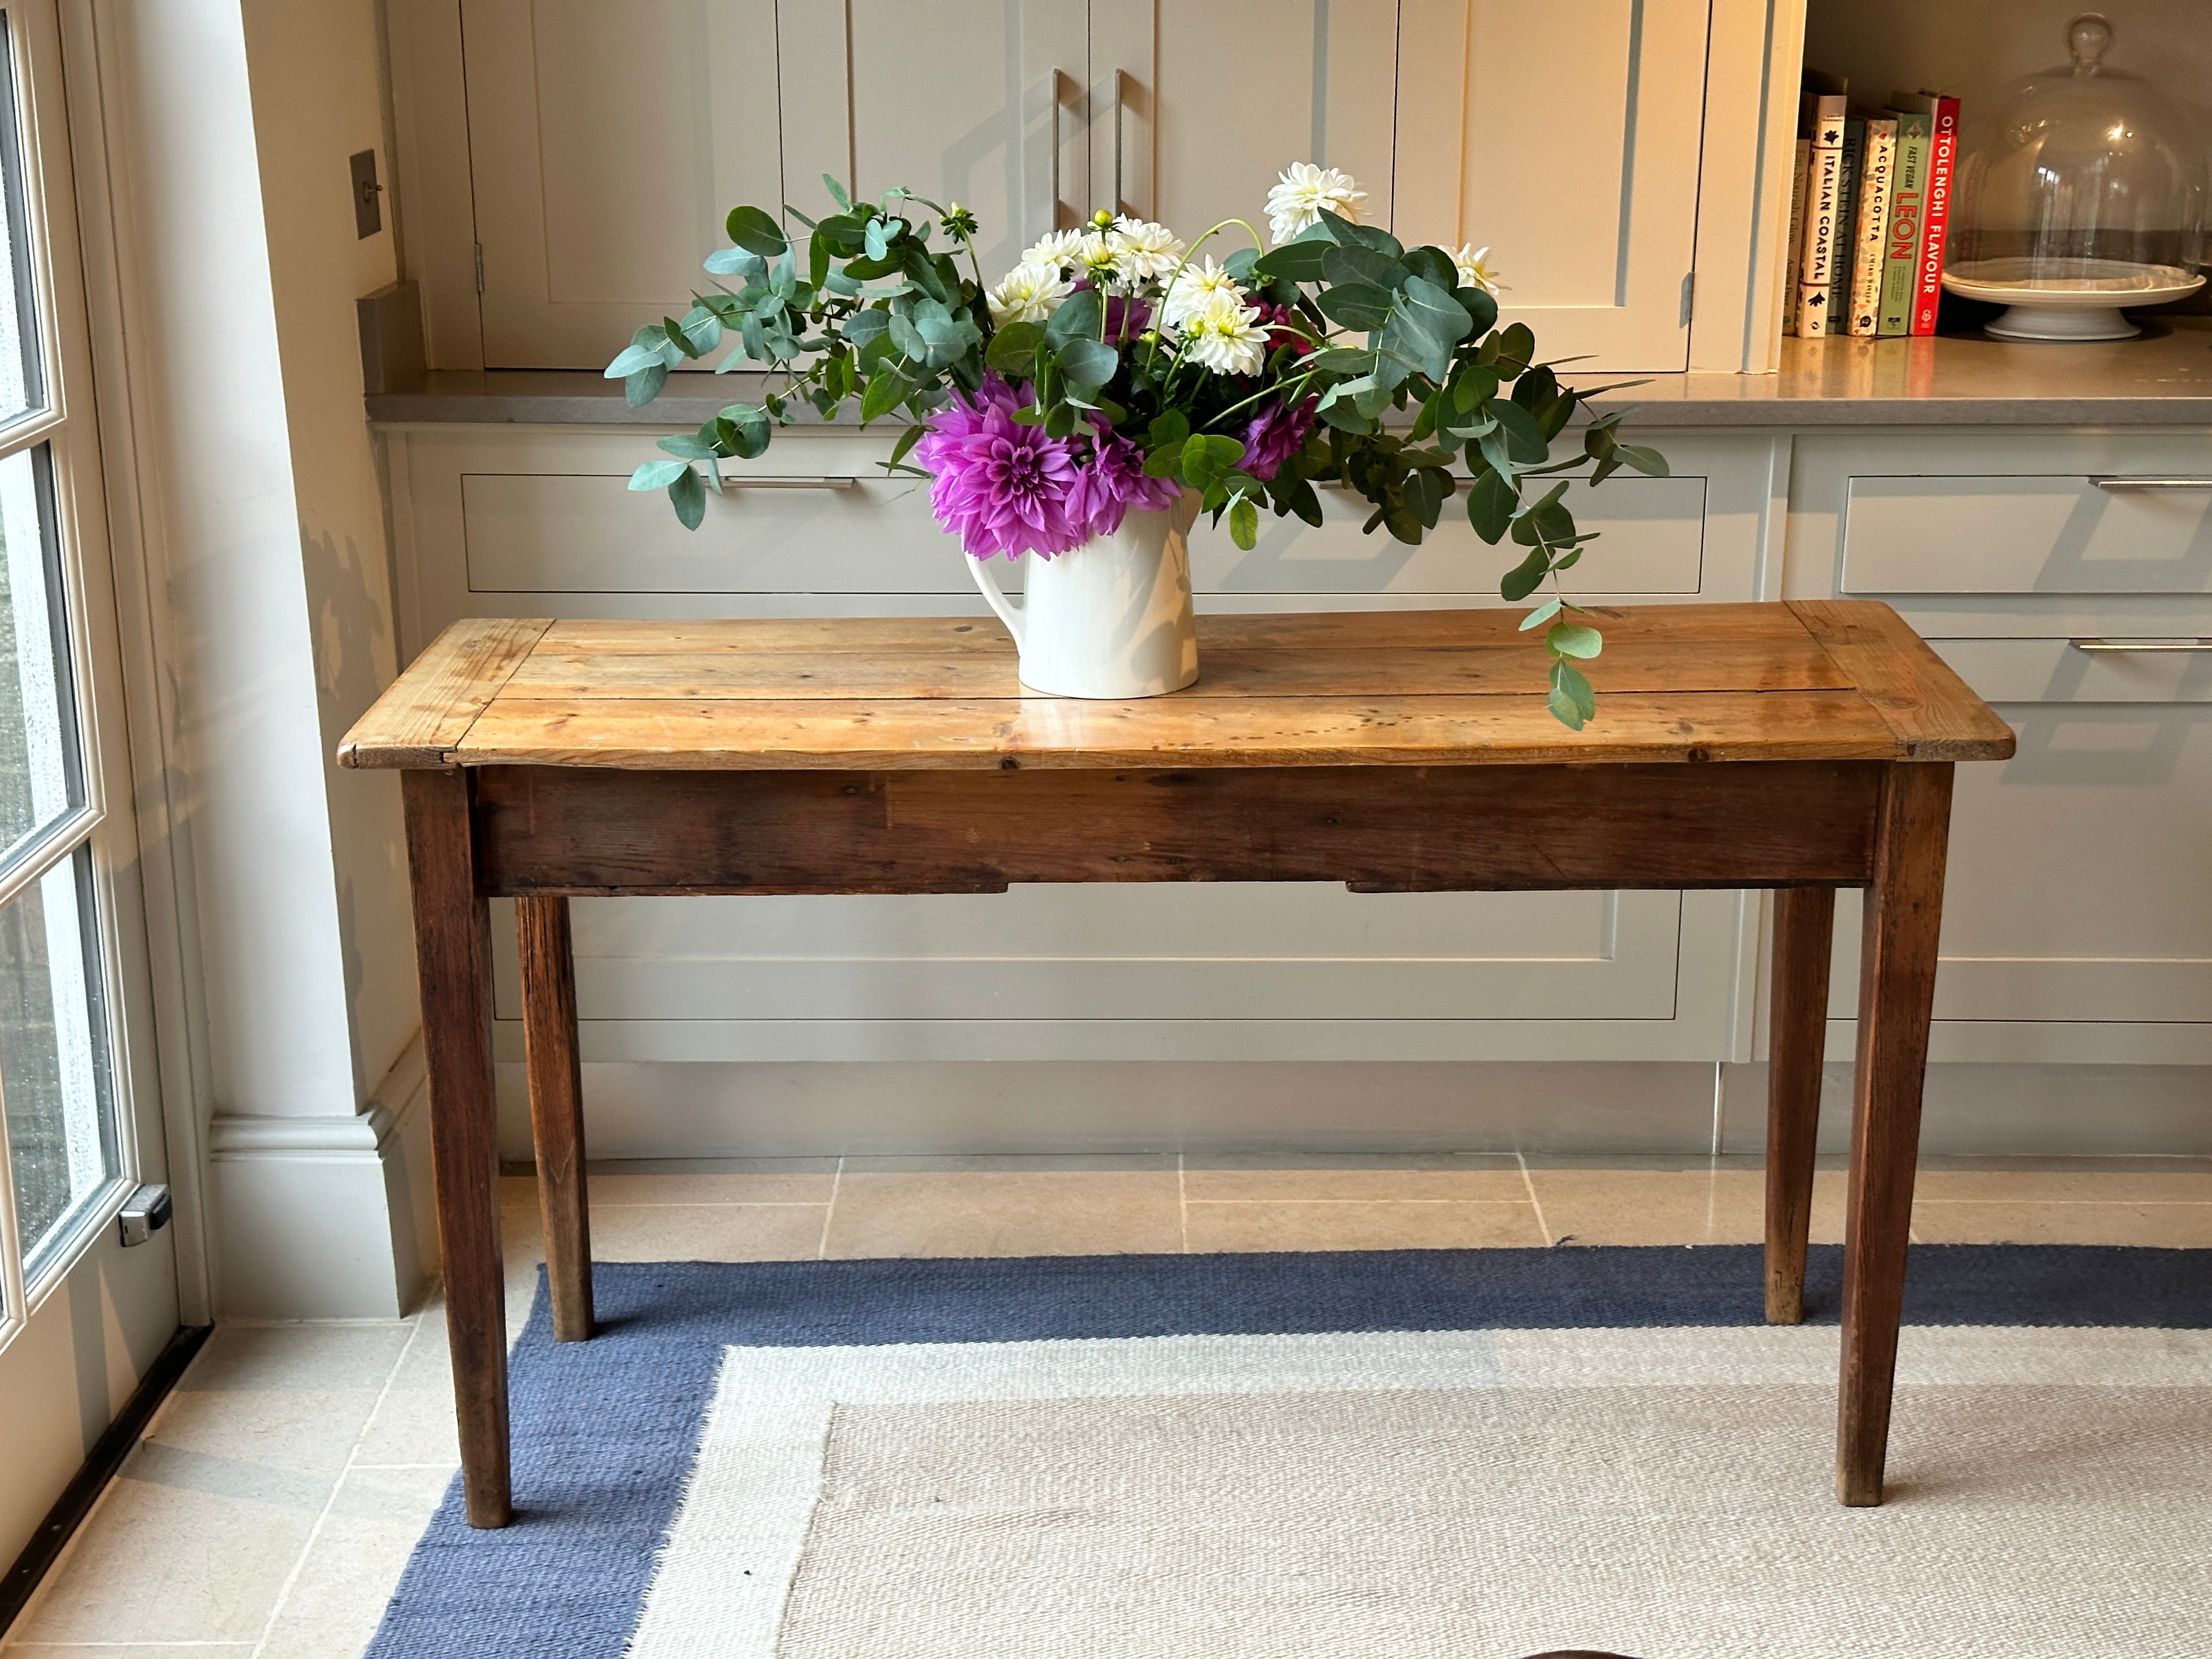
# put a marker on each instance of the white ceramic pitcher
(1110, 618)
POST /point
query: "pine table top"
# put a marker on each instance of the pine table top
(1839, 679)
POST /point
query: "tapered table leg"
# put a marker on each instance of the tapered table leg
(452, 959)
(556, 1109)
(1897, 992)
(1804, 929)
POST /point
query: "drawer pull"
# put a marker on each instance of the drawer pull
(2199, 644)
(741, 481)
(2152, 483)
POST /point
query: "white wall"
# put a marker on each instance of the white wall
(230, 125)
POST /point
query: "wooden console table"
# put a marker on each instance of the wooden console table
(1803, 747)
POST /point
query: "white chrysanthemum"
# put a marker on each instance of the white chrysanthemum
(1226, 337)
(1055, 247)
(1194, 289)
(1305, 189)
(1028, 293)
(1473, 273)
(1148, 250)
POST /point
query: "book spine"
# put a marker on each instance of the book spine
(1943, 165)
(1908, 192)
(1794, 242)
(1875, 182)
(1847, 224)
(1823, 171)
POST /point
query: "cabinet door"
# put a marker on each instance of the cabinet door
(2079, 894)
(974, 102)
(1569, 145)
(600, 177)
(1196, 106)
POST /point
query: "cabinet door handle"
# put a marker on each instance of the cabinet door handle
(2152, 483)
(1120, 202)
(2197, 644)
(1060, 81)
(745, 481)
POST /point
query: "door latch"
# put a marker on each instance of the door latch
(144, 1213)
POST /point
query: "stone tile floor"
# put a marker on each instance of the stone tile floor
(271, 1505)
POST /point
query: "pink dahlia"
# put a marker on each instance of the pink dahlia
(1277, 433)
(1001, 486)
(1112, 482)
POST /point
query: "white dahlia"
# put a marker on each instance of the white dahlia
(1030, 293)
(1054, 247)
(1305, 189)
(1194, 289)
(1101, 255)
(1227, 338)
(1472, 271)
(1148, 250)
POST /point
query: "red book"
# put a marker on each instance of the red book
(1942, 171)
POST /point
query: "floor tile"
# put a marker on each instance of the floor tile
(956, 1214)
(622, 1188)
(125, 1651)
(1369, 1179)
(171, 1562)
(1014, 1164)
(1695, 1205)
(2068, 1185)
(349, 1572)
(261, 1402)
(1444, 1224)
(2167, 1226)
(707, 1232)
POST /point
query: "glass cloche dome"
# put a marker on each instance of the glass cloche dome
(2085, 194)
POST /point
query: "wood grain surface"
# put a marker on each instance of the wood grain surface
(429, 709)
(1677, 684)
(548, 830)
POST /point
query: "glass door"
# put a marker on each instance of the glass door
(80, 1315)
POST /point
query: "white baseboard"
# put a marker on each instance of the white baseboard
(327, 1217)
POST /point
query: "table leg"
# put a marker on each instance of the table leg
(453, 960)
(1897, 992)
(556, 1109)
(1804, 929)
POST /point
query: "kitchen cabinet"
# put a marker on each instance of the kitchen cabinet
(2077, 926)
(588, 152)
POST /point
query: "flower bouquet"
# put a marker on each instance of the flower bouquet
(1090, 405)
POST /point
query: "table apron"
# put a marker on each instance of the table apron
(602, 832)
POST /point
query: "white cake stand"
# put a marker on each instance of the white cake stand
(2067, 299)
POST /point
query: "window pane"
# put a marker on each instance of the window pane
(19, 380)
(39, 772)
(54, 1070)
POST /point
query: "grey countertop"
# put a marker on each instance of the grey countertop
(2164, 378)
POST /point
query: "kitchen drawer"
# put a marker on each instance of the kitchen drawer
(1991, 533)
(537, 532)
(2059, 671)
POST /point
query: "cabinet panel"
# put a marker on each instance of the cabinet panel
(601, 178)
(1589, 211)
(1263, 952)
(1952, 534)
(570, 532)
(2080, 888)
(1194, 110)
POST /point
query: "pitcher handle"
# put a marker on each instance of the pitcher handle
(987, 579)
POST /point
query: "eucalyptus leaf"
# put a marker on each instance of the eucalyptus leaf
(1208, 458)
(1574, 640)
(642, 388)
(1297, 262)
(1490, 506)
(884, 393)
(1087, 363)
(657, 475)
(1524, 441)
(754, 231)
(1648, 462)
(863, 326)
(689, 496)
(1542, 614)
(1013, 349)
(1357, 305)
(1518, 583)
(1244, 523)
(1433, 265)
(1081, 316)
(1341, 266)
(689, 447)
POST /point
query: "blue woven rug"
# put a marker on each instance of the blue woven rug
(786, 1459)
